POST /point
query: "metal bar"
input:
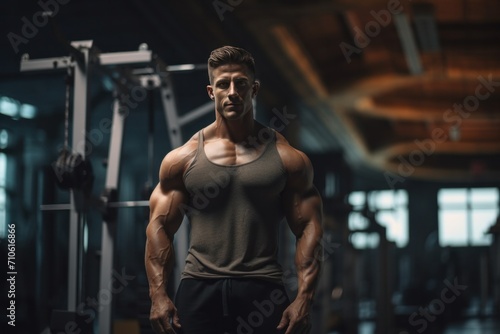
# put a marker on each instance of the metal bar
(128, 204)
(73, 258)
(115, 58)
(55, 207)
(115, 147)
(171, 115)
(186, 67)
(129, 57)
(122, 204)
(109, 227)
(60, 63)
(408, 44)
(80, 100)
(196, 113)
(171, 68)
(426, 27)
(144, 71)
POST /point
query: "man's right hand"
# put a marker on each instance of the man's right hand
(163, 311)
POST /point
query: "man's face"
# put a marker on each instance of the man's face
(232, 88)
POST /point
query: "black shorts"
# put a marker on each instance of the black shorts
(230, 306)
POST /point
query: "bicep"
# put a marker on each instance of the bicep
(170, 195)
(302, 201)
(166, 208)
(302, 209)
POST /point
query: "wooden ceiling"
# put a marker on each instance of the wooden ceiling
(409, 88)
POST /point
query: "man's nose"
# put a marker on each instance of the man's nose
(232, 89)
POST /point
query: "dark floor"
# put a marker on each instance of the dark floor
(475, 326)
(470, 326)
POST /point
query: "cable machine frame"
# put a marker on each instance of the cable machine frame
(84, 59)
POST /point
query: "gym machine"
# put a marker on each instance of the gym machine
(383, 279)
(494, 230)
(74, 171)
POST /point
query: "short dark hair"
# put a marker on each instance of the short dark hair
(230, 55)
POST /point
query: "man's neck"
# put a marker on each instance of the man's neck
(236, 131)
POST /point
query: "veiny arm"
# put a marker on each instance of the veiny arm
(165, 219)
(303, 208)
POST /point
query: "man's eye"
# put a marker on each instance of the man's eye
(223, 85)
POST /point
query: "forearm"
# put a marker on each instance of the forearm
(308, 261)
(159, 258)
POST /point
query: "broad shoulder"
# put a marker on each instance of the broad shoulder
(295, 162)
(178, 160)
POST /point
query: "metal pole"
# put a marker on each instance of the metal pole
(408, 44)
(109, 227)
(80, 99)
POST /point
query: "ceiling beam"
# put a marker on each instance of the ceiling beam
(292, 48)
(408, 44)
(430, 147)
(394, 176)
(366, 106)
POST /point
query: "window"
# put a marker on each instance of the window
(3, 195)
(466, 214)
(390, 208)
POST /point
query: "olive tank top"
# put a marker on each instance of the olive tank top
(234, 213)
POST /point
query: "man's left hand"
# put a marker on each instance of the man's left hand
(296, 318)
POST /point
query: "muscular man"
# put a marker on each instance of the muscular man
(235, 180)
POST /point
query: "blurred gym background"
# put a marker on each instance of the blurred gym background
(397, 103)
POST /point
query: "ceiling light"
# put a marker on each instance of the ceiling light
(27, 111)
(454, 132)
